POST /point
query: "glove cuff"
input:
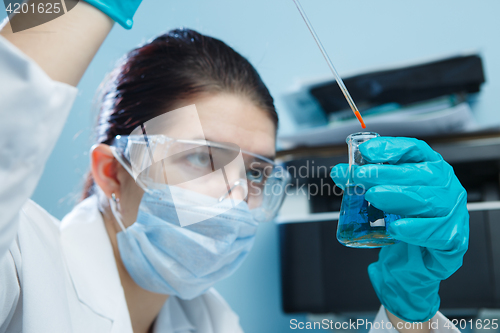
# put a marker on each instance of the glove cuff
(120, 11)
(418, 303)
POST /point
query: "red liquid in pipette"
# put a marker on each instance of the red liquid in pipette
(358, 115)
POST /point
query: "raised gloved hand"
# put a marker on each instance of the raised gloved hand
(434, 231)
(121, 11)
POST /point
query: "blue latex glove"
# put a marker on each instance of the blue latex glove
(121, 11)
(434, 233)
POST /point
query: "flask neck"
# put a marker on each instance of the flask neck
(355, 157)
(353, 142)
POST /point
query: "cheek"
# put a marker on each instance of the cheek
(130, 201)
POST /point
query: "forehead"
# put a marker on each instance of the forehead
(222, 118)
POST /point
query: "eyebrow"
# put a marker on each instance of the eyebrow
(269, 157)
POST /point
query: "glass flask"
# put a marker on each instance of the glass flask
(361, 225)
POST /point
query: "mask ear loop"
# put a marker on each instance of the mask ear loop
(114, 210)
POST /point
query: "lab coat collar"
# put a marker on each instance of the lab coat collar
(93, 270)
(91, 263)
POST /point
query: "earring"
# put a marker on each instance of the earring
(113, 196)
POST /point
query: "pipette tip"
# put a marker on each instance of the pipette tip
(358, 115)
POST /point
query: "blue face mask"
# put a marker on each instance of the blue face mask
(163, 257)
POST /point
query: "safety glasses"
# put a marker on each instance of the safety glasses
(219, 170)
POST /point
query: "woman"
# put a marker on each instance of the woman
(185, 138)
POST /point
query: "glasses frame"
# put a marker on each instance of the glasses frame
(118, 152)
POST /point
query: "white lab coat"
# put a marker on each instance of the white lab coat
(61, 277)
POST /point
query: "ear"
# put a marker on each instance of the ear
(104, 169)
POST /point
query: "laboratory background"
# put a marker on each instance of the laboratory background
(360, 36)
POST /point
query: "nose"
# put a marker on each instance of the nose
(237, 192)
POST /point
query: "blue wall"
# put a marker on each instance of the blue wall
(359, 34)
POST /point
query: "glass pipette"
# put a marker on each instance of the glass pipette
(330, 64)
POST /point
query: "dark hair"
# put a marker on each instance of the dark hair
(175, 66)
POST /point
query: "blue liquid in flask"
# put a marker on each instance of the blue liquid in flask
(360, 223)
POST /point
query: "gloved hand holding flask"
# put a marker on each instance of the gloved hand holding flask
(361, 224)
(419, 185)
